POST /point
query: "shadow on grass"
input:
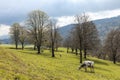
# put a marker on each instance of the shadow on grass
(26, 52)
(118, 64)
(102, 69)
(30, 48)
(59, 51)
(99, 62)
(88, 71)
(14, 48)
(34, 52)
(99, 68)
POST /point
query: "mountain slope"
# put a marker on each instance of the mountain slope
(65, 30)
(103, 26)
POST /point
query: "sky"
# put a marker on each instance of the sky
(63, 10)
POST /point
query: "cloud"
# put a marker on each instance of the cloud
(17, 10)
(4, 30)
(104, 14)
(57, 7)
(65, 20)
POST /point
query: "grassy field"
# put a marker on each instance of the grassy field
(28, 65)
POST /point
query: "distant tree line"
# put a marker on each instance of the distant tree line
(83, 40)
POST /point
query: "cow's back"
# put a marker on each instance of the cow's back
(89, 63)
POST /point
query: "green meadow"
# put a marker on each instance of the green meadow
(28, 65)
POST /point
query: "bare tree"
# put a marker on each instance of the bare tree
(15, 32)
(37, 21)
(112, 44)
(86, 34)
(58, 39)
(67, 43)
(53, 35)
(74, 41)
(22, 36)
(79, 30)
(30, 38)
(91, 39)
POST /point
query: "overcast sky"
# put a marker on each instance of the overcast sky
(17, 10)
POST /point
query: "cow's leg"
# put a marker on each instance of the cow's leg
(85, 68)
(92, 68)
(79, 68)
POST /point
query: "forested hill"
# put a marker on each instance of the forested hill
(103, 26)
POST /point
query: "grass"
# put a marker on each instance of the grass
(28, 65)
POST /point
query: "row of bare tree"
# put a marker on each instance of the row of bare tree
(39, 30)
(18, 34)
(84, 39)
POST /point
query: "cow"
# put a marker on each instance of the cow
(86, 64)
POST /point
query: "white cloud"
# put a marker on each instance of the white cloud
(65, 20)
(76, 1)
(104, 14)
(4, 29)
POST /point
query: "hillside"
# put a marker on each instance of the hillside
(27, 65)
(103, 26)
(65, 30)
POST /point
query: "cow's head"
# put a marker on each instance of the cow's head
(82, 65)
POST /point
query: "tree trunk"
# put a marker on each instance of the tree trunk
(80, 55)
(22, 46)
(67, 49)
(76, 51)
(80, 46)
(35, 46)
(53, 55)
(85, 52)
(38, 47)
(114, 59)
(72, 50)
(16, 45)
(56, 48)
